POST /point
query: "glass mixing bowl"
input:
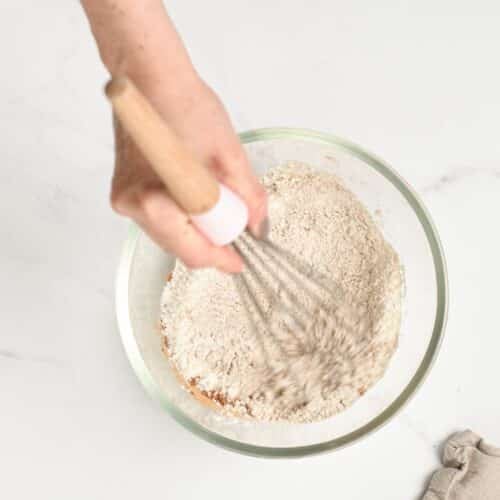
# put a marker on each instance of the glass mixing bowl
(405, 224)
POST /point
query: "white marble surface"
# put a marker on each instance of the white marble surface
(415, 82)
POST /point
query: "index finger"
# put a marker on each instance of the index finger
(234, 170)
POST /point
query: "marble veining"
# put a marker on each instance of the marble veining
(19, 356)
(408, 80)
(459, 174)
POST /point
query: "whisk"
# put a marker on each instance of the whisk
(285, 299)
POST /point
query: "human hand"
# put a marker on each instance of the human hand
(199, 120)
(138, 39)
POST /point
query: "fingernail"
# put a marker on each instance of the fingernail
(261, 232)
(230, 264)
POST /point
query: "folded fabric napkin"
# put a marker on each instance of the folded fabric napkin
(471, 470)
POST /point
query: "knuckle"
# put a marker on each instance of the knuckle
(119, 202)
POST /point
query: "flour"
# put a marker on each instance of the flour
(347, 338)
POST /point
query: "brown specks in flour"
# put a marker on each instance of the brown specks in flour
(350, 341)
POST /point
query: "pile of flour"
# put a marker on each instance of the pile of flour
(285, 371)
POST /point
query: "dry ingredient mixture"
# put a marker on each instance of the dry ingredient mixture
(283, 372)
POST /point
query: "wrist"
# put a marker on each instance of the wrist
(153, 75)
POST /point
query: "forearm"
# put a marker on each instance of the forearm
(137, 38)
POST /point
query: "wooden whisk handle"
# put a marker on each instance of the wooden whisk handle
(189, 182)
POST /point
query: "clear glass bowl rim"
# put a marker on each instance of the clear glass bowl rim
(142, 372)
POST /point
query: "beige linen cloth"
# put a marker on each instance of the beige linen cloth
(471, 470)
